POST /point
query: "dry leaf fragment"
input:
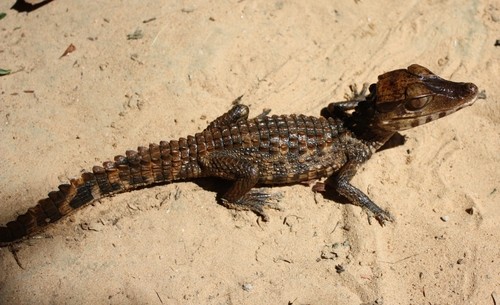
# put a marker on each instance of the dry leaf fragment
(137, 34)
(69, 49)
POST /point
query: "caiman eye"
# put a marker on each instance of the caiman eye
(417, 103)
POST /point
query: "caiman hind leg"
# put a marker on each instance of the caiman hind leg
(237, 113)
(232, 166)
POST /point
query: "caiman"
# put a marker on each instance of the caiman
(267, 150)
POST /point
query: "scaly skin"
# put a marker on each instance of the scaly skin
(267, 150)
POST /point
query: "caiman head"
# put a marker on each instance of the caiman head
(414, 96)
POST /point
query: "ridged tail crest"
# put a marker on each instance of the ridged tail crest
(163, 163)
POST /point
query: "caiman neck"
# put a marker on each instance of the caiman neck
(363, 124)
(404, 99)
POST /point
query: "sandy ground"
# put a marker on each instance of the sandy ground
(174, 244)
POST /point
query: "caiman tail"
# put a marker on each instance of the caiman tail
(163, 163)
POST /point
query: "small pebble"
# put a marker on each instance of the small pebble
(445, 218)
(247, 287)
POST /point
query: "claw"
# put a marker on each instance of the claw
(384, 217)
(264, 113)
(256, 202)
(357, 95)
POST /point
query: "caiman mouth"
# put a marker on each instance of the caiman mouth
(451, 89)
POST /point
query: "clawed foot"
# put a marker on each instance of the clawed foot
(372, 210)
(264, 113)
(383, 218)
(355, 94)
(256, 202)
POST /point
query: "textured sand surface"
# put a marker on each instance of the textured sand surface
(174, 244)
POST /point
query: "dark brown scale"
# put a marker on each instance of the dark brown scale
(274, 139)
(176, 161)
(293, 137)
(83, 186)
(310, 127)
(166, 161)
(184, 156)
(123, 171)
(39, 217)
(236, 136)
(253, 132)
(243, 136)
(57, 199)
(29, 220)
(263, 130)
(134, 161)
(155, 153)
(113, 176)
(320, 132)
(145, 162)
(226, 138)
(184, 150)
(328, 134)
(264, 135)
(102, 179)
(16, 229)
(201, 144)
(193, 148)
(67, 191)
(218, 143)
(284, 135)
(208, 136)
(49, 209)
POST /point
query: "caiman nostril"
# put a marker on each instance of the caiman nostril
(471, 88)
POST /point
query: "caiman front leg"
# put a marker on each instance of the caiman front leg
(341, 183)
(341, 109)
